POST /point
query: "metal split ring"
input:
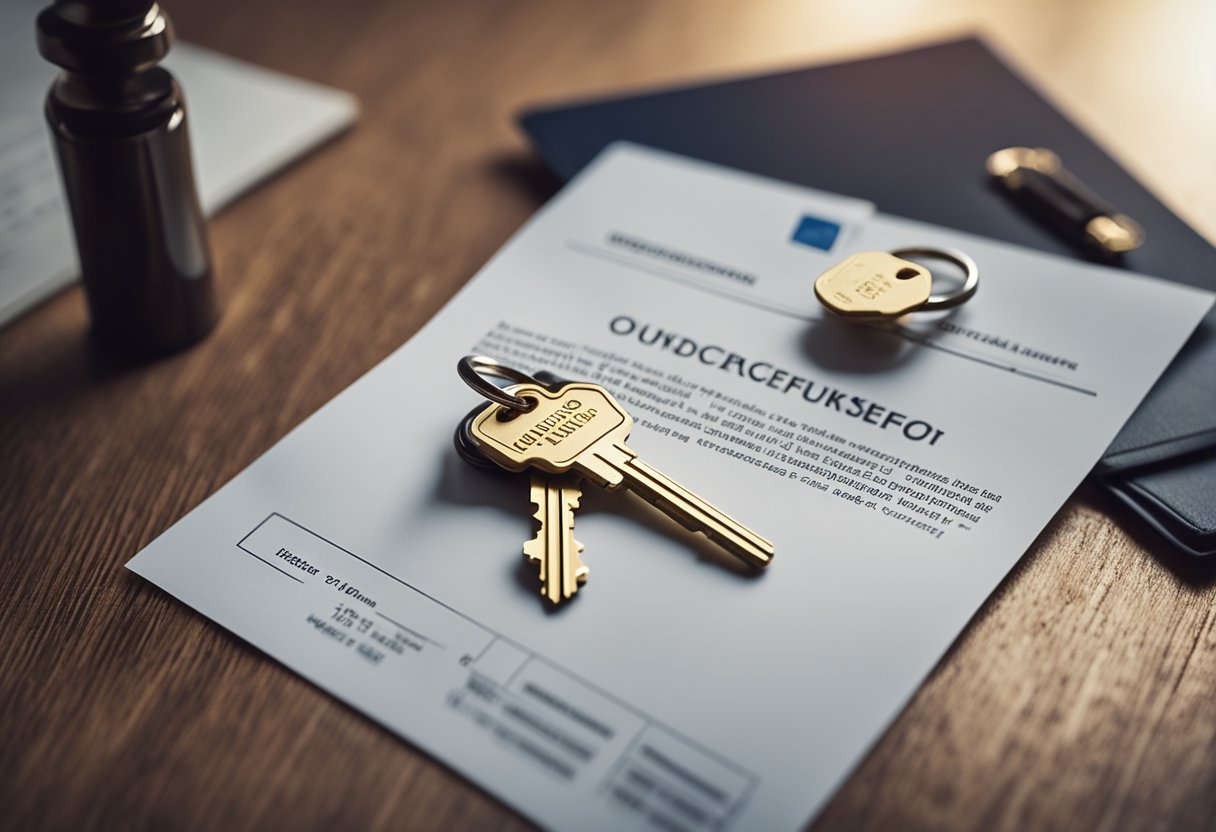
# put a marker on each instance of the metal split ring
(971, 273)
(473, 369)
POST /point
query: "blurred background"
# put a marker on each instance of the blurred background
(1140, 75)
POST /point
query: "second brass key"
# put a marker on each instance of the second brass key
(581, 427)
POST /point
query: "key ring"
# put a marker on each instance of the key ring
(971, 273)
(473, 369)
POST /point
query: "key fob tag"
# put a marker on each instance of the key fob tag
(562, 425)
(874, 284)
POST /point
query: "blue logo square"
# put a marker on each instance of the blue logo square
(816, 233)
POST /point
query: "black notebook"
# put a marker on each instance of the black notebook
(910, 132)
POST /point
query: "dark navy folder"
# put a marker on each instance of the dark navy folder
(910, 131)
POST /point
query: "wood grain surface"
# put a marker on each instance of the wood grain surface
(1080, 696)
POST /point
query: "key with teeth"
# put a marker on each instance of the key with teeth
(580, 428)
(554, 549)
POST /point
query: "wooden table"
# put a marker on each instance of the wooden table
(1081, 696)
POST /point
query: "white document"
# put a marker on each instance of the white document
(245, 123)
(899, 474)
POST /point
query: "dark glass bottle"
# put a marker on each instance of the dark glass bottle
(119, 127)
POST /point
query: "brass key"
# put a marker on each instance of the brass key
(554, 548)
(580, 427)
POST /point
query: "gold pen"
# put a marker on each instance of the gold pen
(1036, 178)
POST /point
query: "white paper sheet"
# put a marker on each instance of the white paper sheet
(677, 690)
(245, 123)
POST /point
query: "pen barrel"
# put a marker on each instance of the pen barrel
(1061, 198)
(1063, 202)
(119, 128)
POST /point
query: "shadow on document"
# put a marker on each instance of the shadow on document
(853, 347)
(864, 347)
